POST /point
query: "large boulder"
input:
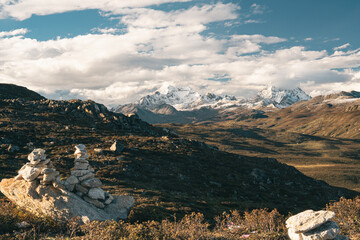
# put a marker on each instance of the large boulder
(61, 204)
(308, 220)
(313, 225)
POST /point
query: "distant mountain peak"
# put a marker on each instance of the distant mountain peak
(280, 98)
(183, 98)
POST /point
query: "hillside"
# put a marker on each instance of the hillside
(11, 91)
(335, 115)
(165, 174)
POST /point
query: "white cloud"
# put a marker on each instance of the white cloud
(308, 39)
(257, 8)
(24, 9)
(252, 21)
(346, 45)
(167, 48)
(20, 31)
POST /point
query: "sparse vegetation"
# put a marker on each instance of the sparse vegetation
(255, 224)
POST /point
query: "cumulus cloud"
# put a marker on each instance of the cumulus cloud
(167, 48)
(24, 9)
(20, 31)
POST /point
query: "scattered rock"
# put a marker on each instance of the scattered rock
(98, 151)
(117, 147)
(13, 148)
(23, 224)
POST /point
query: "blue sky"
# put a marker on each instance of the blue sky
(117, 51)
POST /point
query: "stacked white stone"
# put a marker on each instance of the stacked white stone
(39, 168)
(84, 182)
(311, 225)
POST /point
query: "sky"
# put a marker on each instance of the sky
(115, 52)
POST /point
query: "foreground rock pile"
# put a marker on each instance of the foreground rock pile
(84, 182)
(38, 189)
(311, 225)
(39, 168)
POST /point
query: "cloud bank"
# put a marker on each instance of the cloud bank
(160, 48)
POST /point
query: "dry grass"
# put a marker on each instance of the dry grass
(233, 225)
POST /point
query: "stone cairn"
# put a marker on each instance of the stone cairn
(84, 183)
(311, 225)
(39, 169)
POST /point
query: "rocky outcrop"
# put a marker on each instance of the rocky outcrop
(61, 204)
(311, 225)
(38, 189)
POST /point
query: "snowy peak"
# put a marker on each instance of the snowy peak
(184, 98)
(280, 98)
(180, 98)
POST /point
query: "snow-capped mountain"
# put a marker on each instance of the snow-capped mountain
(184, 105)
(184, 98)
(279, 98)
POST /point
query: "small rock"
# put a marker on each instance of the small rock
(30, 173)
(117, 147)
(50, 177)
(23, 224)
(96, 193)
(109, 200)
(87, 176)
(37, 155)
(72, 180)
(81, 160)
(80, 147)
(98, 151)
(81, 166)
(69, 187)
(92, 183)
(48, 170)
(82, 189)
(13, 148)
(96, 203)
(79, 173)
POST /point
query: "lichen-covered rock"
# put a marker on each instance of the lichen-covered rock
(308, 220)
(59, 204)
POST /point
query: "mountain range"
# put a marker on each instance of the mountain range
(183, 105)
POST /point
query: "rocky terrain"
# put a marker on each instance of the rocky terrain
(165, 174)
